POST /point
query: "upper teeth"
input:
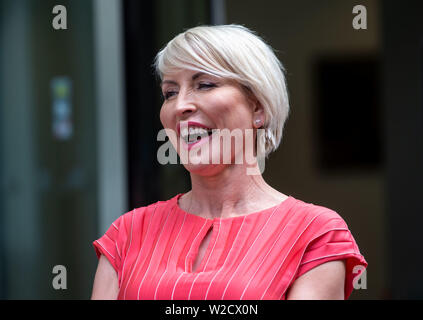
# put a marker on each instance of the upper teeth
(191, 130)
(192, 133)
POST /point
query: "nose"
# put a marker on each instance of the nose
(184, 106)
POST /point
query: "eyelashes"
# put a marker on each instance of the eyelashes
(201, 86)
(206, 85)
(168, 94)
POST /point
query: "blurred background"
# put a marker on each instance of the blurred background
(79, 117)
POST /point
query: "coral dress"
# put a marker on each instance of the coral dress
(252, 257)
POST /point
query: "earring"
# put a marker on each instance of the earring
(257, 122)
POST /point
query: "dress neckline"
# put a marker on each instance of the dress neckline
(282, 204)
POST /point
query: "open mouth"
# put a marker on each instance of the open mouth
(193, 134)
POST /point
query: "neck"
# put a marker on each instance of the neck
(230, 193)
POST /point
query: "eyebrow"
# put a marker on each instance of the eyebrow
(195, 76)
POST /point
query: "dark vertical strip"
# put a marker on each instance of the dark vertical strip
(142, 113)
(402, 37)
(2, 232)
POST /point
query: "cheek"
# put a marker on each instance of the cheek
(164, 116)
(225, 107)
(236, 109)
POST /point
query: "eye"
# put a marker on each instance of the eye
(169, 94)
(206, 85)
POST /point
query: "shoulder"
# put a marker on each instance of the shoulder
(134, 222)
(315, 212)
(145, 212)
(314, 220)
(326, 237)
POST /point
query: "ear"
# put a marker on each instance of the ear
(258, 114)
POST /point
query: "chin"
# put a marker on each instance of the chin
(204, 170)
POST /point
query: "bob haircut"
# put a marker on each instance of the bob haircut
(237, 53)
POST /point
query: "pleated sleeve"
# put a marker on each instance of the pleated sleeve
(114, 243)
(332, 240)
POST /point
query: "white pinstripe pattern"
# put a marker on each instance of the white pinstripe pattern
(109, 237)
(129, 247)
(258, 268)
(186, 259)
(204, 268)
(226, 259)
(299, 263)
(338, 229)
(268, 219)
(277, 269)
(176, 282)
(113, 224)
(329, 256)
(105, 249)
(154, 250)
(117, 250)
(195, 279)
(170, 255)
(214, 245)
(116, 246)
(130, 276)
(302, 263)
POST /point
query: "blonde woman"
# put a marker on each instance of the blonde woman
(232, 236)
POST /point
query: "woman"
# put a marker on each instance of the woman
(232, 236)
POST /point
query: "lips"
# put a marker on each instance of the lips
(193, 132)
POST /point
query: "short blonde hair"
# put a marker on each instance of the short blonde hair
(234, 52)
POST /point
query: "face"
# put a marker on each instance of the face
(199, 103)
